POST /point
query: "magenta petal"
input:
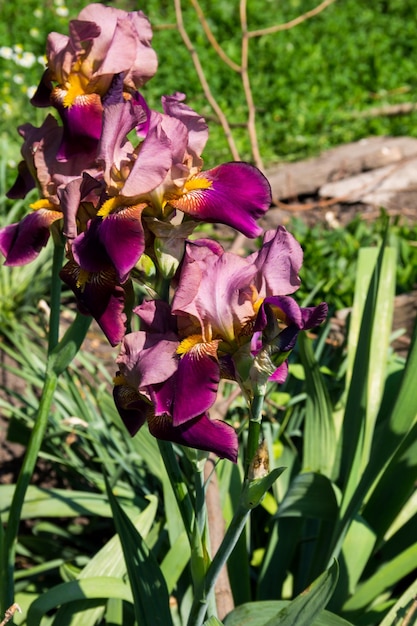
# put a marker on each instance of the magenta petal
(23, 184)
(152, 165)
(118, 120)
(88, 251)
(314, 316)
(21, 242)
(82, 127)
(239, 195)
(155, 316)
(124, 240)
(132, 407)
(102, 298)
(201, 433)
(280, 374)
(147, 359)
(196, 125)
(278, 262)
(291, 312)
(196, 386)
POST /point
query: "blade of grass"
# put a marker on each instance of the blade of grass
(148, 585)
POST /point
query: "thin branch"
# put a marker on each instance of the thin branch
(389, 110)
(253, 137)
(202, 77)
(213, 41)
(160, 27)
(216, 527)
(291, 23)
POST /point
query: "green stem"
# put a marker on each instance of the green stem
(25, 475)
(254, 430)
(199, 607)
(182, 496)
(55, 305)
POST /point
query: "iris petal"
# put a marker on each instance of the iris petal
(201, 433)
(132, 407)
(101, 297)
(21, 242)
(236, 194)
(123, 238)
(196, 386)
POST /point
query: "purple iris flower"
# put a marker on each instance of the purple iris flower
(149, 383)
(67, 196)
(165, 170)
(103, 42)
(227, 311)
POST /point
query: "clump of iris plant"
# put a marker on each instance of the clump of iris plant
(123, 187)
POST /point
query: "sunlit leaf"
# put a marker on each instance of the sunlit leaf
(97, 588)
(148, 585)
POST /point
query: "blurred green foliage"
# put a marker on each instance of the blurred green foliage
(331, 256)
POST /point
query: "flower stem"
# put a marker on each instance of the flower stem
(60, 355)
(254, 430)
(186, 507)
(25, 475)
(56, 288)
(199, 607)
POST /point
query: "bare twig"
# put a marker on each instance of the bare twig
(298, 20)
(159, 27)
(215, 44)
(390, 110)
(247, 88)
(410, 614)
(9, 613)
(216, 527)
(202, 77)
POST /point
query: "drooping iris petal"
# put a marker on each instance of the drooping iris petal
(236, 194)
(197, 380)
(101, 297)
(132, 407)
(23, 184)
(201, 433)
(123, 238)
(21, 242)
(82, 123)
(285, 308)
(314, 316)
